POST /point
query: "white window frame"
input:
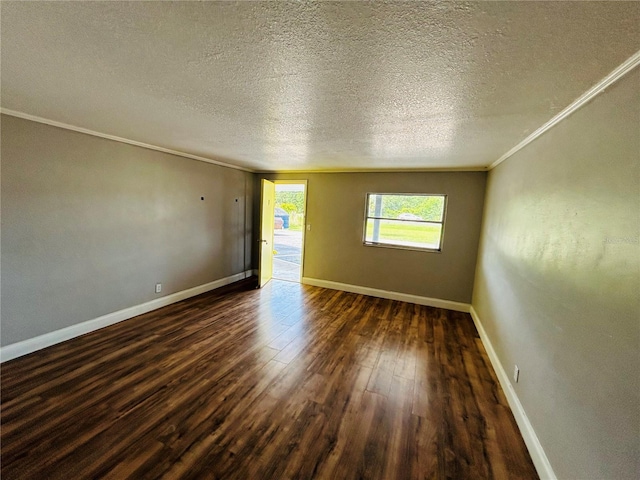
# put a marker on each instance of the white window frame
(399, 246)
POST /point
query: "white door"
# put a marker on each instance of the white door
(266, 231)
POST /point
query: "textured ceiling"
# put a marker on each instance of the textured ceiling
(312, 86)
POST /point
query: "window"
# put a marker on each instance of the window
(405, 220)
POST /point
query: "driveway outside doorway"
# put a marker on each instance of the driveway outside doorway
(287, 257)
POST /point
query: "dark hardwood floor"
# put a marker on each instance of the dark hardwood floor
(286, 382)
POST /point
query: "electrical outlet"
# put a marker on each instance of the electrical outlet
(158, 287)
(308, 227)
(516, 373)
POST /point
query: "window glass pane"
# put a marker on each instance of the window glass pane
(372, 205)
(407, 207)
(407, 234)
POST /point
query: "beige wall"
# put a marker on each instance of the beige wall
(90, 225)
(558, 283)
(334, 249)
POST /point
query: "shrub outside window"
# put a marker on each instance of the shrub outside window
(402, 220)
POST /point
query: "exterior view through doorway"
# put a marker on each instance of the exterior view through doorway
(288, 233)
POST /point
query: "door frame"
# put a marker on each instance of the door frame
(304, 224)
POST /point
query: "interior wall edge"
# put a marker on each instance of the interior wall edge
(374, 170)
(375, 292)
(115, 138)
(619, 72)
(538, 455)
(25, 347)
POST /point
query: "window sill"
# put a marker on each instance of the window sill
(402, 247)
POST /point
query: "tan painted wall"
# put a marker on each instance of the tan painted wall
(334, 249)
(558, 283)
(90, 225)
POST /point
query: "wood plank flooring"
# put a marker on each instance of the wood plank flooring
(286, 382)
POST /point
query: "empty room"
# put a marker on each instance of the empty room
(320, 240)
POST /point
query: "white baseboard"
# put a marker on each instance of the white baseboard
(374, 292)
(25, 347)
(536, 451)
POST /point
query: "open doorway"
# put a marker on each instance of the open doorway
(288, 233)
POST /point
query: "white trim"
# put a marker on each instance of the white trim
(536, 451)
(303, 181)
(25, 347)
(627, 66)
(374, 170)
(631, 63)
(249, 273)
(375, 292)
(66, 126)
(115, 138)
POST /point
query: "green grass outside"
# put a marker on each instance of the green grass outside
(429, 234)
(295, 222)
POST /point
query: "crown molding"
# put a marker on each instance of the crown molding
(373, 170)
(66, 126)
(619, 72)
(627, 66)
